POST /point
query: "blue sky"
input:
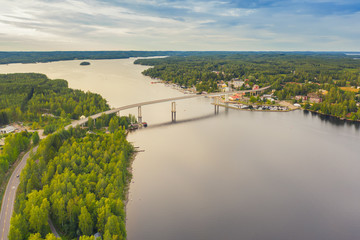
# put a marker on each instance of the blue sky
(230, 25)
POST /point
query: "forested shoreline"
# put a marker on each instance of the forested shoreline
(333, 77)
(48, 104)
(79, 177)
(34, 57)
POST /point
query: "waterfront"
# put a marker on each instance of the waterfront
(236, 175)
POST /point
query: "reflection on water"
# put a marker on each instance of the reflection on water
(182, 121)
(333, 120)
(237, 175)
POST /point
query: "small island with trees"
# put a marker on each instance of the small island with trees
(84, 63)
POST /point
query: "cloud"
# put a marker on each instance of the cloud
(179, 25)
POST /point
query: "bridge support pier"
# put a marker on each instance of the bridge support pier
(173, 112)
(139, 115)
(216, 105)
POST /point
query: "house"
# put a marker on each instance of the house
(266, 96)
(300, 97)
(47, 115)
(7, 129)
(237, 83)
(255, 87)
(314, 98)
(235, 97)
(82, 117)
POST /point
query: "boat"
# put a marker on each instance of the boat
(133, 126)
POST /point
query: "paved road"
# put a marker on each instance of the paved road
(9, 197)
(53, 229)
(115, 110)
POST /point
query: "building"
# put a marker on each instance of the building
(299, 97)
(7, 129)
(314, 98)
(237, 83)
(235, 97)
(255, 87)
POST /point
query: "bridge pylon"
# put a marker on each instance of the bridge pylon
(173, 111)
(139, 115)
(216, 105)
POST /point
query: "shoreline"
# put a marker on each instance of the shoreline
(252, 110)
(332, 116)
(128, 182)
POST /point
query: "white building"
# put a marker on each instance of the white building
(7, 129)
(237, 83)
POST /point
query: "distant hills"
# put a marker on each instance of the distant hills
(33, 57)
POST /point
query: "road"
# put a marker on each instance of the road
(9, 197)
(53, 229)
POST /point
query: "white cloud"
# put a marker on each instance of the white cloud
(169, 25)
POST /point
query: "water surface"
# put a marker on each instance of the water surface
(236, 175)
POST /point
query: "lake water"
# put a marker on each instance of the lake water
(236, 175)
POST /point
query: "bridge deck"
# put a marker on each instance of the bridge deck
(115, 110)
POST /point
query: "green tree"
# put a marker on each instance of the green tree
(114, 124)
(85, 222)
(90, 123)
(252, 99)
(35, 236)
(35, 138)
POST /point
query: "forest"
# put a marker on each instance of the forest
(49, 104)
(79, 180)
(289, 74)
(34, 57)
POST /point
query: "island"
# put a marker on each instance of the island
(84, 63)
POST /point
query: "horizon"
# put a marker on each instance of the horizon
(175, 51)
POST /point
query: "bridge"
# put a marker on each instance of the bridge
(10, 192)
(173, 106)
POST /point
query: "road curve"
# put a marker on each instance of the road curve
(7, 206)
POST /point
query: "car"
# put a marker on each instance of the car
(17, 175)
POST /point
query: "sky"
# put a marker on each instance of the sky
(189, 25)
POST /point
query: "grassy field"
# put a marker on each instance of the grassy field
(350, 89)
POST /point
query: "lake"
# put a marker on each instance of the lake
(235, 175)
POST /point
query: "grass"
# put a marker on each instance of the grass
(350, 89)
